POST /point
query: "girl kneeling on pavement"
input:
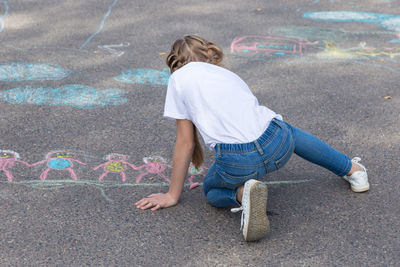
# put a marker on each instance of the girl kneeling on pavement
(249, 140)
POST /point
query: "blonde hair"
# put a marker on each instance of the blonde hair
(193, 48)
(188, 49)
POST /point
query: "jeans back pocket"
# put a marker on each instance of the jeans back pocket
(287, 150)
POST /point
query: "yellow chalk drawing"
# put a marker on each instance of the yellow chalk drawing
(377, 52)
(115, 166)
(115, 163)
(362, 51)
(332, 51)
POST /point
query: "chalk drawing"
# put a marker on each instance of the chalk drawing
(59, 160)
(379, 52)
(112, 48)
(154, 165)
(101, 25)
(144, 76)
(332, 51)
(387, 21)
(5, 5)
(359, 52)
(102, 186)
(193, 172)
(19, 72)
(7, 160)
(346, 16)
(311, 33)
(266, 45)
(73, 95)
(115, 163)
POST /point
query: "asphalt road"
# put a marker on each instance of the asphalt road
(83, 83)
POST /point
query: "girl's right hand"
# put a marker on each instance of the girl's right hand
(156, 201)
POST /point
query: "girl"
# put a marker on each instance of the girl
(249, 140)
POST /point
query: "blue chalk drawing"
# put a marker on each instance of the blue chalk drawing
(73, 95)
(387, 21)
(59, 164)
(144, 76)
(5, 4)
(347, 16)
(101, 25)
(19, 71)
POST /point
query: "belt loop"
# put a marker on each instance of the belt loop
(279, 123)
(218, 148)
(259, 148)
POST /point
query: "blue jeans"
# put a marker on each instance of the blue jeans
(236, 163)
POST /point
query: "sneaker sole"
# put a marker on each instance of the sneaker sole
(257, 221)
(360, 189)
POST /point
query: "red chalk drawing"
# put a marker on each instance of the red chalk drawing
(59, 160)
(7, 160)
(116, 163)
(266, 45)
(154, 165)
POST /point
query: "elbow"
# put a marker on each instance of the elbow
(186, 146)
(189, 147)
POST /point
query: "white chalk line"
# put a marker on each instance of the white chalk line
(48, 184)
(55, 184)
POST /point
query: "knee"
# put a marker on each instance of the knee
(213, 199)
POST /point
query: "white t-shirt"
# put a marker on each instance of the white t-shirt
(218, 102)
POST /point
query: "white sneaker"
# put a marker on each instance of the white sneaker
(254, 221)
(359, 179)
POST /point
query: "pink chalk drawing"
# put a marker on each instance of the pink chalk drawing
(266, 45)
(116, 163)
(7, 160)
(153, 165)
(193, 172)
(59, 160)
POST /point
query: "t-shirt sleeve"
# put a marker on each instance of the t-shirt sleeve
(175, 107)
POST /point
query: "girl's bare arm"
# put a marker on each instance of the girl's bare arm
(183, 151)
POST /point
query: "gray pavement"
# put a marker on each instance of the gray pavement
(86, 79)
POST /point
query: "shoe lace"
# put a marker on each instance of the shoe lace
(243, 208)
(234, 210)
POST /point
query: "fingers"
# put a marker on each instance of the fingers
(156, 207)
(156, 202)
(147, 206)
(147, 203)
